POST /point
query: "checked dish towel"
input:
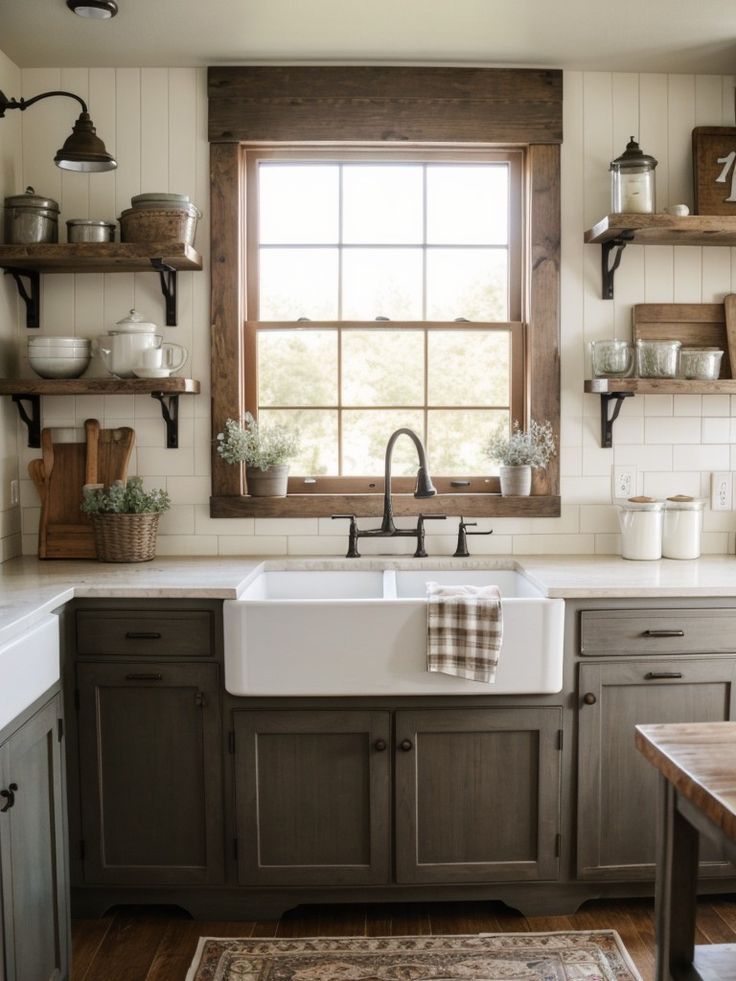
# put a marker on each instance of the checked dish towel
(464, 630)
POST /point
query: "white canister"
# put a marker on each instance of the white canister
(683, 526)
(640, 519)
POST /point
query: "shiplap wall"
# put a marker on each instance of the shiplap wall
(154, 120)
(10, 176)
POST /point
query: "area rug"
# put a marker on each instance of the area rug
(591, 955)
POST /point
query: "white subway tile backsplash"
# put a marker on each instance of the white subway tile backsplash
(711, 457)
(251, 545)
(662, 485)
(287, 526)
(607, 544)
(657, 405)
(554, 544)
(675, 429)
(599, 518)
(717, 430)
(716, 405)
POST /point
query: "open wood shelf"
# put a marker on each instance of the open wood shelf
(25, 263)
(27, 392)
(614, 232)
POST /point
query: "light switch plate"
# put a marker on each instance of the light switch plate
(721, 489)
(623, 482)
(14, 493)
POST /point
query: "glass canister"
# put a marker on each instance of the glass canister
(657, 359)
(683, 527)
(611, 358)
(640, 520)
(632, 181)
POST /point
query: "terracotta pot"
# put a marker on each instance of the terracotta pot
(267, 483)
(516, 481)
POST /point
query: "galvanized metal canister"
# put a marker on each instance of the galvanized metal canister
(90, 230)
(31, 218)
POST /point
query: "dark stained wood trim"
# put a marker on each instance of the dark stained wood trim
(98, 386)
(544, 301)
(227, 303)
(665, 229)
(384, 104)
(371, 505)
(89, 257)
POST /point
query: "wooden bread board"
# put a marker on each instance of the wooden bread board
(693, 324)
(65, 467)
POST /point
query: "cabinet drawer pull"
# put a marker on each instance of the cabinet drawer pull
(663, 633)
(406, 745)
(659, 675)
(144, 677)
(589, 698)
(380, 745)
(9, 797)
(142, 635)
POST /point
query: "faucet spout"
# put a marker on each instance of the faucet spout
(424, 487)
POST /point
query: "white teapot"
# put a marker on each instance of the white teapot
(122, 348)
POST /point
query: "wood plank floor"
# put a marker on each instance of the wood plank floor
(141, 944)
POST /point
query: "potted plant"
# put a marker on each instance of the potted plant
(125, 520)
(518, 452)
(264, 449)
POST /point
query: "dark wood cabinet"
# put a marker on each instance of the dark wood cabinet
(477, 794)
(312, 797)
(150, 772)
(617, 789)
(34, 928)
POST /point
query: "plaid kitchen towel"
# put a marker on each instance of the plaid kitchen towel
(464, 630)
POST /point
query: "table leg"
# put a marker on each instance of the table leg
(676, 889)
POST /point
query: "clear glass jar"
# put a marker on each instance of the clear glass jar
(700, 362)
(632, 181)
(657, 359)
(611, 358)
(641, 528)
(683, 526)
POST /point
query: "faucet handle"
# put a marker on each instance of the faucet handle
(421, 552)
(352, 552)
(348, 517)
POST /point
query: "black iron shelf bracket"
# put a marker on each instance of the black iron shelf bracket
(31, 299)
(607, 420)
(608, 267)
(168, 288)
(170, 412)
(32, 419)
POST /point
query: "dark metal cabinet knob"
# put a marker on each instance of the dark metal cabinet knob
(406, 745)
(589, 698)
(380, 745)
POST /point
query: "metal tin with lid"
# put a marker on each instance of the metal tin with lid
(31, 218)
(90, 230)
(683, 527)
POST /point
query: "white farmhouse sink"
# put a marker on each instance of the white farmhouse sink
(358, 632)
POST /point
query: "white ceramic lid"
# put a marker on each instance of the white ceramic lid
(133, 324)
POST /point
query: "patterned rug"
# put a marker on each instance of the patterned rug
(591, 955)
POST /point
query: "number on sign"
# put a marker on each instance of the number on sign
(728, 164)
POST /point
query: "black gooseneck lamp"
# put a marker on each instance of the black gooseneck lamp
(83, 150)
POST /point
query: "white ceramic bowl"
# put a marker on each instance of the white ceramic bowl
(60, 342)
(53, 366)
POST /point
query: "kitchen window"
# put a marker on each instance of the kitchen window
(385, 291)
(342, 196)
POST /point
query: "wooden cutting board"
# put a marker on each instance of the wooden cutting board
(693, 324)
(61, 473)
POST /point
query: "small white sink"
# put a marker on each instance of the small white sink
(357, 632)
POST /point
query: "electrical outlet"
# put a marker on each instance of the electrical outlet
(720, 491)
(624, 482)
(14, 493)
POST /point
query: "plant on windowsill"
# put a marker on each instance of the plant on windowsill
(125, 519)
(518, 452)
(264, 449)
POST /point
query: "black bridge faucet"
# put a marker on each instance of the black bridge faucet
(388, 529)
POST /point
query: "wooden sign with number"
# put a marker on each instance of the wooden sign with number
(714, 170)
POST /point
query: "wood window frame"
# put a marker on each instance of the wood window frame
(395, 107)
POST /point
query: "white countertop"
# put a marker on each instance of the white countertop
(30, 588)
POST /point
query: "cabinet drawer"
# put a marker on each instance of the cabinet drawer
(607, 632)
(159, 632)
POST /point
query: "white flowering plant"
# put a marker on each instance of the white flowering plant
(533, 447)
(257, 445)
(125, 498)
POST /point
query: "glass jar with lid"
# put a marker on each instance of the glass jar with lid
(640, 520)
(683, 526)
(632, 181)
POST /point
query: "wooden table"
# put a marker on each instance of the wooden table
(697, 763)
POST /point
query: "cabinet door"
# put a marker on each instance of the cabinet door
(617, 788)
(312, 797)
(32, 851)
(477, 794)
(150, 773)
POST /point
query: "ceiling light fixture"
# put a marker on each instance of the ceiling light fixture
(83, 150)
(93, 9)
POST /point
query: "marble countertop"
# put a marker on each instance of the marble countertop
(30, 588)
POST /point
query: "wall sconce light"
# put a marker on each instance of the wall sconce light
(94, 9)
(83, 150)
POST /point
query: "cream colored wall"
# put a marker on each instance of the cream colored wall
(154, 120)
(10, 183)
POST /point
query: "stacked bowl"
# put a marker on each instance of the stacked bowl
(59, 357)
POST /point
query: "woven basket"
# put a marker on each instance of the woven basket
(125, 537)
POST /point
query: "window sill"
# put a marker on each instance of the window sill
(371, 505)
